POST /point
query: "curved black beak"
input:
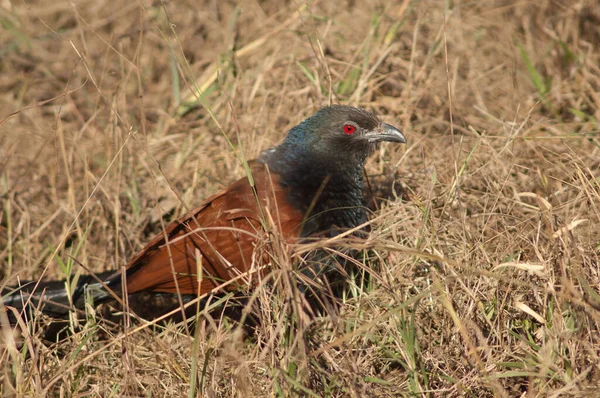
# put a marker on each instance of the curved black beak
(386, 132)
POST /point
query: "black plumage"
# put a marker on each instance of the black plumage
(324, 165)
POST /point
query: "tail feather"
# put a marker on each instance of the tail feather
(53, 298)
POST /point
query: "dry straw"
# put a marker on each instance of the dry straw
(115, 117)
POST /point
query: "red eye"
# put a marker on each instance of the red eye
(349, 129)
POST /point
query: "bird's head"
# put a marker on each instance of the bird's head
(343, 133)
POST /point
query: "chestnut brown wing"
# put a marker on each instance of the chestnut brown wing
(220, 236)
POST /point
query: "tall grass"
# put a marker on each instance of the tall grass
(116, 117)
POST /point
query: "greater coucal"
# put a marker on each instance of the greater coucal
(309, 185)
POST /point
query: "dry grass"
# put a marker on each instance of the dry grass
(487, 281)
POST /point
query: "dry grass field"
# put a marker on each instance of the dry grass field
(117, 116)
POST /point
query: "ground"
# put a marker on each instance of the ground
(117, 116)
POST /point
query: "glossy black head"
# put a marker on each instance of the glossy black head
(343, 134)
(321, 160)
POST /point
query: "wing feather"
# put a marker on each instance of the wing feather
(221, 235)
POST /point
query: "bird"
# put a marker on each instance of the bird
(310, 185)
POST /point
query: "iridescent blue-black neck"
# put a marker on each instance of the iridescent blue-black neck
(324, 173)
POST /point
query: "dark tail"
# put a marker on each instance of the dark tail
(53, 299)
